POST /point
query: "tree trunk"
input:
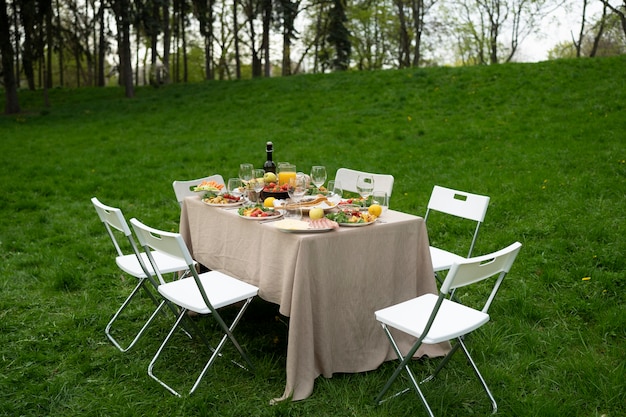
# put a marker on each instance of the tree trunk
(11, 104)
(122, 12)
(184, 42)
(61, 45)
(27, 13)
(236, 38)
(596, 40)
(403, 33)
(49, 43)
(102, 47)
(418, 28)
(267, 16)
(167, 41)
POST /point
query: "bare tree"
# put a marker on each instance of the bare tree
(483, 26)
(597, 37)
(11, 100)
(619, 10)
(123, 14)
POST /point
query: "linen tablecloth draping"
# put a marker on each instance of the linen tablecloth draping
(328, 284)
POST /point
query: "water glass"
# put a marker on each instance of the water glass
(381, 198)
(234, 187)
(292, 210)
(334, 189)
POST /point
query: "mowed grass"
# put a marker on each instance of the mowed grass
(545, 141)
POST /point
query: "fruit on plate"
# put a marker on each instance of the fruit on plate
(272, 187)
(226, 198)
(351, 216)
(316, 213)
(269, 177)
(257, 211)
(269, 201)
(375, 209)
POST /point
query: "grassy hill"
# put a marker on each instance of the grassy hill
(546, 141)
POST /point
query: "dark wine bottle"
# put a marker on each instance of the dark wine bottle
(269, 165)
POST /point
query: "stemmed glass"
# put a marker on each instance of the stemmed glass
(245, 174)
(365, 186)
(318, 175)
(257, 182)
(297, 188)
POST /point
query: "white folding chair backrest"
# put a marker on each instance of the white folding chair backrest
(460, 204)
(182, 188)
(169, 243)
(479, 268)
(347, 177)
(112, 217)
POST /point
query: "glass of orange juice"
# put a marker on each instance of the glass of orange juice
(285, 172)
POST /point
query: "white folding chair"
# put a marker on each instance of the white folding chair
(133, 263)
(182, 188)
(461, 204)
(347, 177)
(204, 293)
(434, 319)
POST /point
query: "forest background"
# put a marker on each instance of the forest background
(73, 43)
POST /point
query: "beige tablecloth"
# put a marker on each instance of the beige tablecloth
(328, 284)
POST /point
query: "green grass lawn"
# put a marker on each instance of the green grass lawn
(546, 141)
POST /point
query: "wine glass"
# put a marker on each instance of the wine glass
(245, 174)
(234, 187)
(257, 182)
(365, 186)
(297, 188)
(318, 175)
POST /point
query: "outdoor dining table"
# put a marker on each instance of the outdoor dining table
(328, 284)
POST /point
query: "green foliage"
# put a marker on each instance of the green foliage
(545, 141)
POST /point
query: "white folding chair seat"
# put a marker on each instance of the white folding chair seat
(348, 177)
(182, 188)
(434, 319)
(201, 293)
(460, 204)
(114, 222)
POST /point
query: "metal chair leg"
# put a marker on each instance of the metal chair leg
(216, 352)
(494, 405)
(107, 330)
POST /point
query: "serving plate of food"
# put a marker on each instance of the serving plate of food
(314, 201)
(222, 200)
(258, 212)
(207, 186)
(303, 226)
(352, 216)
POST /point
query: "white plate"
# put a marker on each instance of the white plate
(326, 205)
(238, 203)
(298, 226)
(355, 224)
(276, 215)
